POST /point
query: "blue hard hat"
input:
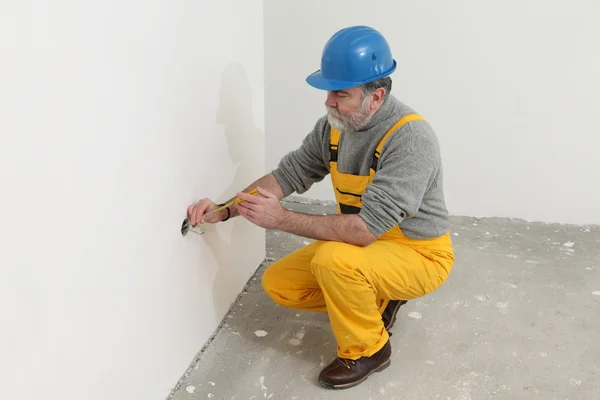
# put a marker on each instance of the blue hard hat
(352, 57)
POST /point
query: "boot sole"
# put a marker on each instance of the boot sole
(355, 383)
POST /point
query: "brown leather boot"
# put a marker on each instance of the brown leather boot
(343, 373)
(389, 314)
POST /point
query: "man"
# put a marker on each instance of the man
(389, 241)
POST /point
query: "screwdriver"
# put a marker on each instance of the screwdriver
(185, 227)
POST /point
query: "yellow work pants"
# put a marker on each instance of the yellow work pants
(353, 284)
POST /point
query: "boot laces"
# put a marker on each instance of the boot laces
(346, 363)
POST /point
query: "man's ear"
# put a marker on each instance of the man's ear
(377, 98)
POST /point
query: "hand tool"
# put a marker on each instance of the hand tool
(185, 226)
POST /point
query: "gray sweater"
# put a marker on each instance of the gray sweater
(407, 188)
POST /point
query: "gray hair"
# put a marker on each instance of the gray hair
(370, 87)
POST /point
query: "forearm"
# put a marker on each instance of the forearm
(268, 182)
(340, 227)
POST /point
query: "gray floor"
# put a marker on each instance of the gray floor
(519, 318)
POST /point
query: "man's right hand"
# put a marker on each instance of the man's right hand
(197, 211)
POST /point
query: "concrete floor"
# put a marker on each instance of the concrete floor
(519, 318)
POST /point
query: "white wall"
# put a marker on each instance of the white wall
(115, 116)
(512, 89)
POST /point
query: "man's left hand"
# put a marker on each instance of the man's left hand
(263, 209)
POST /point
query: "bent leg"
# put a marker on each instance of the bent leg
(354, 279)
(290, 282)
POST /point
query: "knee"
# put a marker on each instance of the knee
(278, 286)
(269, 279)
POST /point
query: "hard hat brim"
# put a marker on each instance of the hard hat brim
(317, 80)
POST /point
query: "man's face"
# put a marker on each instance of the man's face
(347, 110)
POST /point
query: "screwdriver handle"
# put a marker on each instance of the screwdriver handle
(231, 203)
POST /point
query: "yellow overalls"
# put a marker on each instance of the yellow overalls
(352, 283)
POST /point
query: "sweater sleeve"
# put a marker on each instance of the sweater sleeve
(404, 174)
(299, 169)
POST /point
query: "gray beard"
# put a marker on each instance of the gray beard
(349, 123)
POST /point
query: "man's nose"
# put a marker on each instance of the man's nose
(330, 100)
